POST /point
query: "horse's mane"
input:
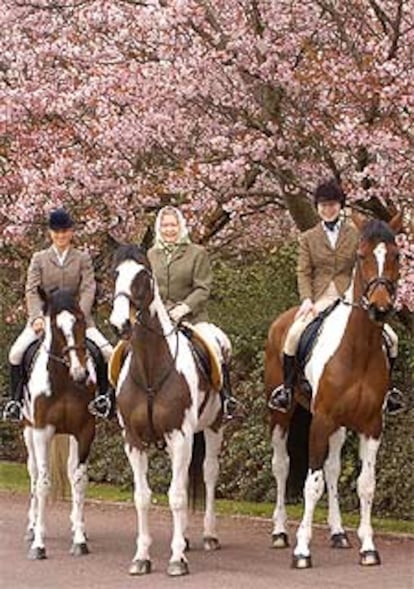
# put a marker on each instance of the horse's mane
(62, 299)
(376, 230)
(129, 251)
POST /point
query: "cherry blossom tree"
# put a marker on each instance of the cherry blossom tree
(233, 110)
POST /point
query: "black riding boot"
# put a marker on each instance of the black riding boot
(229, 403)
(394, 401)
(281, 397)
(13, 409)
(103, 405)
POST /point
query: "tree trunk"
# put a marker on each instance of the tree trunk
(301, 211)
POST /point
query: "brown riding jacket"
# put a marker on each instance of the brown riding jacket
(185, 277)
(319, 264)
(76, 274)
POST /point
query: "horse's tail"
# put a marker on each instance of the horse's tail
(196, 490)
(298, 448)
(59, 453)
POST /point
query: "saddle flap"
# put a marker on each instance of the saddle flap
(201, 344)
(116, 361)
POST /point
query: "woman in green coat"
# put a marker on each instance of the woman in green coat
(184, 278)
(182, 268)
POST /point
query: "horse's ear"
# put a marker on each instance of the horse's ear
(147, 240)
(396, 222)
(359, 220)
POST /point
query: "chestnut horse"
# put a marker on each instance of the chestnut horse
(349, 375)
(165, 397)
(60, 385)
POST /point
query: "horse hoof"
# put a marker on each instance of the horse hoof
(177, 568)
(301, 562)
(187, 547)
(79, 549)
(369, 558)
(340, 540)
(280, 540)
(140, 567)
(37, 553)
(210, 543)
(29, 535)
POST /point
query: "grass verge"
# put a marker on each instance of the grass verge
(14, 478)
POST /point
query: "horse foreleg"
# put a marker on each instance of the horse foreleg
(210, 472)
(78, 478)
(332, 469)
(32, 470)
(366, 488)
(180, 450)
(320, 432)
(41, 441)
(280, 469)
(141, 563)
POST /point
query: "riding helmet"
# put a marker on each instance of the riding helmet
(60, 219)
(329, 190)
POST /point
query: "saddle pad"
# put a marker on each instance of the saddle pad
(310, 335)
(216, 375)
(115, 362)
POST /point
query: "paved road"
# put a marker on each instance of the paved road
(245, 561)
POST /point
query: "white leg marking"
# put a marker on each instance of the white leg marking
(180, 449)
(41, 442)
(366, 487)
(142, 496)
(33, 474)
(332, 470)
(314, 487)
(78, 477)
(280, 469)
(211, 472)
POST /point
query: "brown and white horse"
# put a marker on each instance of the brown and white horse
(165, 397)
(60, 386)
(349, 374)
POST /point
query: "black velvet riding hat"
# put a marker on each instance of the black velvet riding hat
(60, 219)
(329, 190)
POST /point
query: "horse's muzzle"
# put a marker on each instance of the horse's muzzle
(379, 314)
(124, 331)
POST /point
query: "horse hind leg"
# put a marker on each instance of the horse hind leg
(366, 488)
(41, 442)
(332, 469)
(141, 563)
(210, 472)
(280, 469)
(78, 478)
(33, 474)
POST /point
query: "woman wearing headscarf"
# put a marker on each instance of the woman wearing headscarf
(184, 278)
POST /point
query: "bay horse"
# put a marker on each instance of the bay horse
(164, 397)
(61, 383)
(348, 372)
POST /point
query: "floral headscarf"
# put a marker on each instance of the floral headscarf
(183, 236)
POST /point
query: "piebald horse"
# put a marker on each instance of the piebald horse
(164, 397)
(60, 385)
(349, 374)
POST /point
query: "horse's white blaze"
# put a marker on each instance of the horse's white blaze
(280, 469)
(127, 272)
(66, 323)
(380, 252)
(329, 341)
